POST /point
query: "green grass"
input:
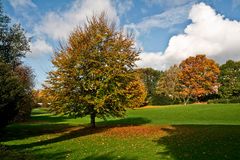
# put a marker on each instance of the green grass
(205, 114)
(194, 132)
(209, 114)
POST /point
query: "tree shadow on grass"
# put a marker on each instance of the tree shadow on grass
(7, 153)
(48, 118)
(43, 123)
(40, 123)
(45, 116)
(23, 131)
(202, 142)
(69, 132)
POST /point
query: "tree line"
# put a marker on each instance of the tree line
(195, 79)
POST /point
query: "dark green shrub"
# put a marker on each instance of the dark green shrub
(27, 102)
(11, 94)
(213, 101)
(235, 100)
(222, 100)
(163, 100)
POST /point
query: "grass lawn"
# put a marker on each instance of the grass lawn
(194, 132)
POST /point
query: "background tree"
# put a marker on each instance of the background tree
(13, 42)
(13, 46)
(167, 84)
(150, 77)
(230, 79)
(26, 78)
(197, 77)
(39, 98)
(94, 72)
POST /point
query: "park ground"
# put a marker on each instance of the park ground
(193, 132)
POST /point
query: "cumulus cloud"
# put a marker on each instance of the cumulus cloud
(166, 19)
(17, 4)
(40, 47)
(58, 25)
(209, 33)
(151, 59)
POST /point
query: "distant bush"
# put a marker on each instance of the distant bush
(213, 101)
(209, 97)
(162, 100)
(222, 100)
(235, 100)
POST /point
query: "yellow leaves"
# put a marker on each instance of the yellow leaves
(136, 93)
(92, 71)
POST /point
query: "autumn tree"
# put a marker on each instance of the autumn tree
(136, 93)
(94, 73)
(230, 79)
(197, 77)
(167, 84)
(39, 98)
(150, 77)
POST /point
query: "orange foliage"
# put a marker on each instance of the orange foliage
(198, 77)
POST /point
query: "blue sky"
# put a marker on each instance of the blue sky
(167, 31)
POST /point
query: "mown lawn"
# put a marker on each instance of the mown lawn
(195, 132)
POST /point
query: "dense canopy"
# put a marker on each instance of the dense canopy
(93, 73)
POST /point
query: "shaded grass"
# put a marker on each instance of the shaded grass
(202, 143)
(204, 133)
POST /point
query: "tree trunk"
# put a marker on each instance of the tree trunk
(93, 116)
(186, 101)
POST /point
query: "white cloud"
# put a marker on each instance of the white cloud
(151, 59)
(58, 25)
(40, 47)
(166, 19)
(123, 6)
(209, 33)
(17, 4)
